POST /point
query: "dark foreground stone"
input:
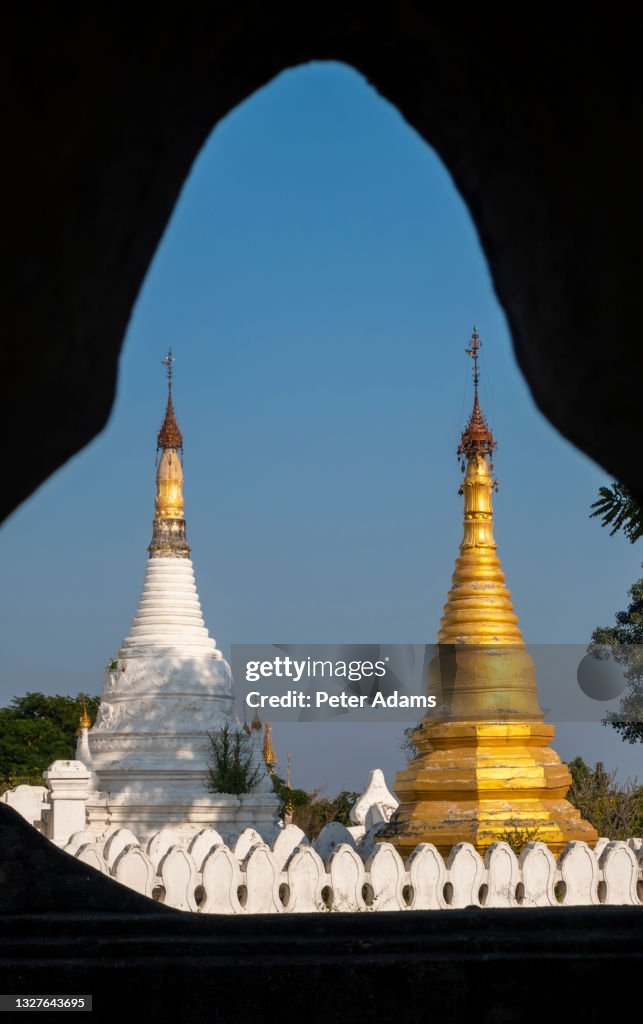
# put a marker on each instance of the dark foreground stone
(84, 934)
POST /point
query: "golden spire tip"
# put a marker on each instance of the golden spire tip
(269, 754)
(85, 721)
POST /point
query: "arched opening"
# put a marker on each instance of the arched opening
(105, 115)
(318, 324)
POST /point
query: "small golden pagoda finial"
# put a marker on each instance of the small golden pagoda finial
(256, 721)
(269, 754)
(85, 721)
(168, 538)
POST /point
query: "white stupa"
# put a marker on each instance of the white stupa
(165, 690)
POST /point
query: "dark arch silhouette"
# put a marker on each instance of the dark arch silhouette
(106, 114)
(538, 122)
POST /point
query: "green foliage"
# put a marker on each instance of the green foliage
(517, 836)
(34, 731)
(321, 811)
(230, 762)
(619, 510)
(64, 712)
(614, 811)
(625, 640)
(310, 810)
(343, 803)
(295, 798)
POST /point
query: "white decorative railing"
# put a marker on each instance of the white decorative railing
(201, 873)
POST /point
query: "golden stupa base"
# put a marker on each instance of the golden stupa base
(481, 782)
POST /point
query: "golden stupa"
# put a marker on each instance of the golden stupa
(485, 769)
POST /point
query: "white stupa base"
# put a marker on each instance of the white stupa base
(165, 691)
(145, 814)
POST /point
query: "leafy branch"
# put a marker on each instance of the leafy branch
(618, 509)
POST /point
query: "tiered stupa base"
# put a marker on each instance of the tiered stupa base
(168, 689)
(145, 814)
(478, 782)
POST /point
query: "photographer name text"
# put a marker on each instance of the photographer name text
(320, 699)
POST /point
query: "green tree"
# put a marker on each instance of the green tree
(625, 642)
(620, 511)
(37, 729)
(614, 811)
(230, 762)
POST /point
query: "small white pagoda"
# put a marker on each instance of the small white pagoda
(166, 689)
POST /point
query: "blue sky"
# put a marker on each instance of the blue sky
(318, 283)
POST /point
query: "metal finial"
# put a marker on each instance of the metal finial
(288, 771)
(169, 436)
(167, 363)
(476, 438)
(474, 348)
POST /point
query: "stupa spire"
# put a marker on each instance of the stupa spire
(269, 754)
(168, 537)
(478, 608)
